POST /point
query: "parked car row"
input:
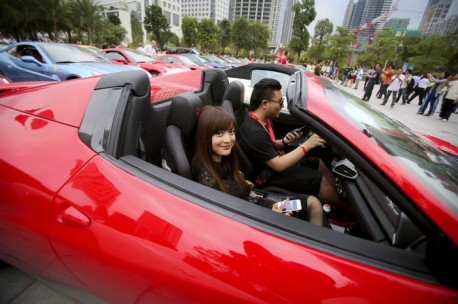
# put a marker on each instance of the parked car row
(45, 61)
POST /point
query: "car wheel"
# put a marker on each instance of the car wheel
(154, 73)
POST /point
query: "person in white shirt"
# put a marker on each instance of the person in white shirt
(150, 49)
(420, 90)
(450, 100)
(394, 87)
(359, 76)
(140, 48)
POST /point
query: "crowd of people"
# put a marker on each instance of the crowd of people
(401, 85)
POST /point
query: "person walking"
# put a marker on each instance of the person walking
(420, 90)
(359, 76)
(374, 77)
(450, 100)
(406, 86)
(394, 87)
(435, 93)
(387, 76)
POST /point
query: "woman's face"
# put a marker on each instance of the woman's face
(222, 144)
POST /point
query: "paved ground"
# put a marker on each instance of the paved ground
(407, 114)
(17, 287)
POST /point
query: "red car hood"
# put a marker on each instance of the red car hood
(392, 166)
(440, 144)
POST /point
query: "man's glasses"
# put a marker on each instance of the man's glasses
(280, 101)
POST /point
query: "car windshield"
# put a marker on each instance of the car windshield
(214, 59)
(138, 57)
(187, 61)
(196, 59)
(432, 167)
(64, 53)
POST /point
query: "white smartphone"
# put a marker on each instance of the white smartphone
(291, 205)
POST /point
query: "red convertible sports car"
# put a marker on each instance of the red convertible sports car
(132, 57)
(96, 194)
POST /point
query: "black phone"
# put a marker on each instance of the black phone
(300, 130)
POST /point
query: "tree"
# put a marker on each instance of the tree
(137, 31)
(87, 16)
(323, 29)
(109, 33)
(258, 37)
(224, 34)
(434, 53)
(114, 19)
(304, 14)
(240, 34)
(338, 50)
(207, 34)
(156, 23)
(189, 29)
(170, 39)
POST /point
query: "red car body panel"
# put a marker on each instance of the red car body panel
(238, 263)
(161, 68)
(429, 203)
(125, 240)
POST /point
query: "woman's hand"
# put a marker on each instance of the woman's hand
(277, 207)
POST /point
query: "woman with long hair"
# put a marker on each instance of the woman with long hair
(215, 163)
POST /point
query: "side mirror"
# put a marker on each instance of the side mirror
(121, 60)
(31, 59)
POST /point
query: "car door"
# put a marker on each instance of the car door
(28, 188)
(21, 65)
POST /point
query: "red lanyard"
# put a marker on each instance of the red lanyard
(269, 128)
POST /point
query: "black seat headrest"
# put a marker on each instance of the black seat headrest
(235, 93)
(184, 112)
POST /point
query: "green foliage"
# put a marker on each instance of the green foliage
(304, 15)
(137, 31)
(433, 53)
(240, 34)
(170, 39)
(338, 50)
(189, 29)
(156, 23)
(109, 33)
(225, 32)
(323, 29)
(114, 19)
(258, 37)
(207, 34)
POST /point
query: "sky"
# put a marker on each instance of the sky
(334, 10)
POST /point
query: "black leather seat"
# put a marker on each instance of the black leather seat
(233, 101)
(180, 133)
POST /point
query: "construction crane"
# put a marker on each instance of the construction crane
(371, 23)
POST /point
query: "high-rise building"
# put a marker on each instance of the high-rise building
(215, 10)
(277, 14)
(354, 14)
(440, 17)
(281, 22)
(362, 14)
(258, 10)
